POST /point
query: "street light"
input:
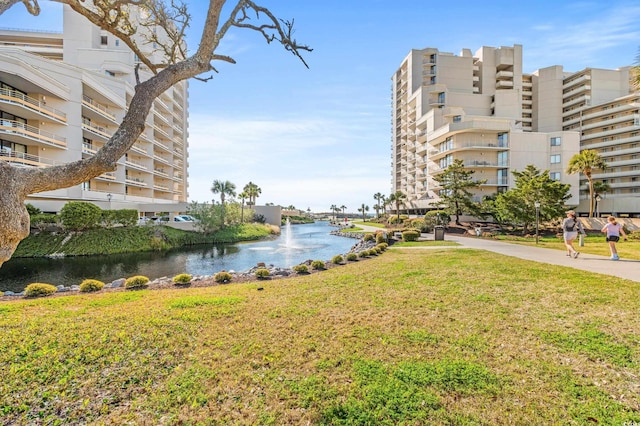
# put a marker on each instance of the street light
(109, 198)
(537, 205)
(598, 199)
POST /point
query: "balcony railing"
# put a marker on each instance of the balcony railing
(19, 98)
(135, 164)
(18, 128)
(26, 159)
(136, 181)
(98, 130)
(138, 149)
(89, 149)
(97, 107)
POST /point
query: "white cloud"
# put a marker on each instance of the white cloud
(313, 162)
(581, 44)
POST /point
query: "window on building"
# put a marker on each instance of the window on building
(503, 158)
(103, 40)
(441, 97)
(117, 42)
(110, 73)
(554, 175)
(503, 139)
(555, 159)
(446, 161)
(433, 79)
(555, 141)
(457, 118)
(503, 177)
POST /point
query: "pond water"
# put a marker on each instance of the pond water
(296, 244)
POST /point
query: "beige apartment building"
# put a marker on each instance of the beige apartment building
(482, 109)
(62, 96)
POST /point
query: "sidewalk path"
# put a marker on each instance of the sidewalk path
(624, 268)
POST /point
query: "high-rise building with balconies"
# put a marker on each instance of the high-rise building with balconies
(63, 95)
(482, 109)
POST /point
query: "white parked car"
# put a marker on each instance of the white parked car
(185, 218)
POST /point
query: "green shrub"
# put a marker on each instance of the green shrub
(381, 237)
(182, 279)
(382, 246)
(337, 259)
(41, 220)
(351, 257)
(262, 273)
(222, 277)
(437, 217)
(301, 269)
(317, 265)
(88, 286)
(410, 235)
(39, 289)
(127, 217)
(136, 282)
(79, 215)
(417, 223)
(363, 253)
(369, 237)
(394, 219)
(377, 249)
(372, 252)
(158, 244)
(32, 210)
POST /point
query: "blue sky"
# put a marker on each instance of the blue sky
(321, 136)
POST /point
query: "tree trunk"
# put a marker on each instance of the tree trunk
(590, 195)
(14, 226)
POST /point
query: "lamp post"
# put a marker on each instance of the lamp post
(109, 199)
(537, 205)
(598, 199)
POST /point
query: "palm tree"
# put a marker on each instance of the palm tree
(378, 197)
(343, 208)
(223, 188)
(243, 196)
(599, 188)
(253, 191)
(333, 209)
(585, 162)
(363, 209)
(398, 198)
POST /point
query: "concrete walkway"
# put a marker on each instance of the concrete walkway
(624, 268)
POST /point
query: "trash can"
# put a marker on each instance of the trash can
(438, 233)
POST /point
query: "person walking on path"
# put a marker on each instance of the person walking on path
(570, 228)
(613, 230)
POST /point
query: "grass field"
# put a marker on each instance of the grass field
(593, 244)
(413, 337)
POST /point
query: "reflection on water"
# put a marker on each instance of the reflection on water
(296, 244)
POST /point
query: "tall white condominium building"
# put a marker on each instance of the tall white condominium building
(64, 95)
(482, 109)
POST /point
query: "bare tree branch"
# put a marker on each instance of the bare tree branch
(133, 29)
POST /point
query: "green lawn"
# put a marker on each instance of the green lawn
(377, 225)
(593, 244)
(424, 243)
(411, 337)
